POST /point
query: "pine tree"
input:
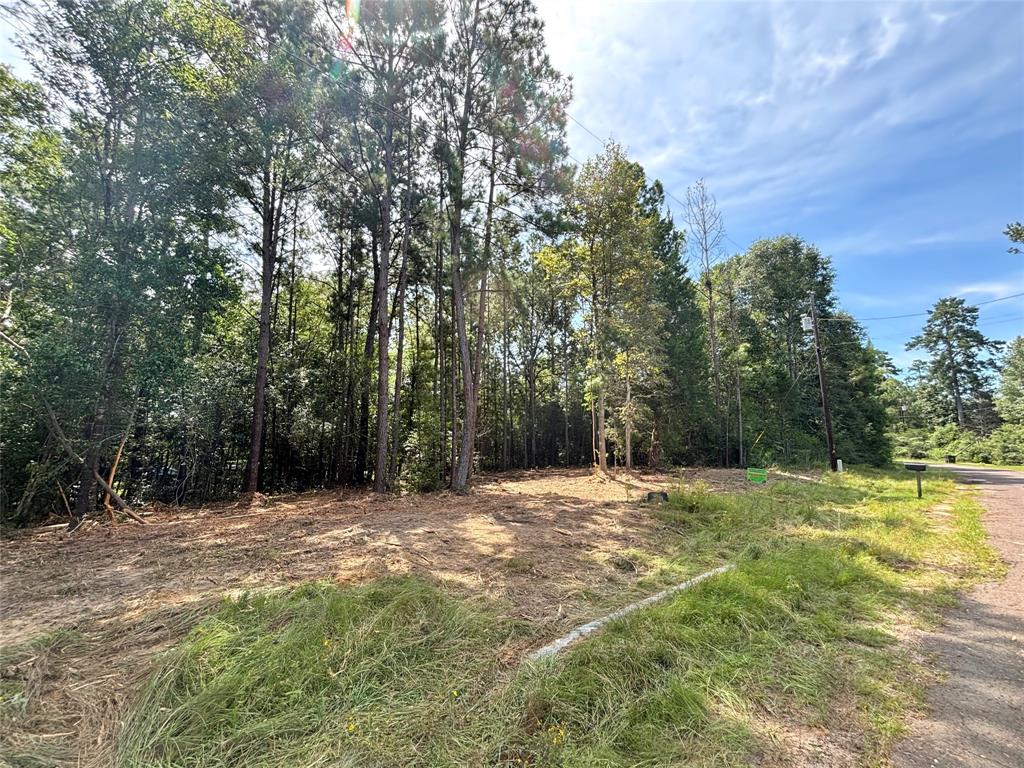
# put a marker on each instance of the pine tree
(961, 362)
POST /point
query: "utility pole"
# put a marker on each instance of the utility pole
(826, 409)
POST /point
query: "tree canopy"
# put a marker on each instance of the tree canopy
(261, 246)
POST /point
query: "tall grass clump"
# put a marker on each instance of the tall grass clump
(384, 674)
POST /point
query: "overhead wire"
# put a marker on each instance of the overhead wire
(914, 314)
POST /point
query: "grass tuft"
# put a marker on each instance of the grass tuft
(374, 675)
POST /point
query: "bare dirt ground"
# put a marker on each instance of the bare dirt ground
(545, 527)
(976, 717)
(533, 540)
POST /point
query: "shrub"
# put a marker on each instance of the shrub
(698, 498)
(1006, 444)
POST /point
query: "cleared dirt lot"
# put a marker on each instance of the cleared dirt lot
(508, 539)
(541, 543)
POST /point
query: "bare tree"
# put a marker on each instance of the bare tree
(704, 240)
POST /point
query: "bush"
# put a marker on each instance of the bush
(912, 443)
(1006, 444)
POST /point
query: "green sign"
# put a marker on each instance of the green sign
(757, 475)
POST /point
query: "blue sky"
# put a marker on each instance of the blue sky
(889, 135)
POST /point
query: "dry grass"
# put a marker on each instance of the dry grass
(543, 544)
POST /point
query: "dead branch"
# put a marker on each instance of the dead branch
(69, 449)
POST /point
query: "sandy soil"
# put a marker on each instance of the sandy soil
(976, 717)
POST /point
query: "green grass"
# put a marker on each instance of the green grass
(374, 675)
(979, 465)
(802, 631)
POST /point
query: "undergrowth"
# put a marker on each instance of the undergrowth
(802, 631)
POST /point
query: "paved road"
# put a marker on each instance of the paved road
(976, 717)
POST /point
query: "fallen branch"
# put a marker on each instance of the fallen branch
(69, 449)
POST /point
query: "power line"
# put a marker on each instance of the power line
(914, 314)
(999, 320)
(581, 125)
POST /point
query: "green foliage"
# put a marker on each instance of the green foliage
(1004, 445)
(1015, 233)
(189, 200)
(960, 363)
(114, 273)
(1010, 400)
(923, 412)
(768, 360)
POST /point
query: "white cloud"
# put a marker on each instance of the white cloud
(774, 104)
(888, 38)
(992, 289)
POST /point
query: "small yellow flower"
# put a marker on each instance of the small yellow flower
(351, 726)
(556, 734)
(455, 694)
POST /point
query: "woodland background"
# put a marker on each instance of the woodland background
(274, 246)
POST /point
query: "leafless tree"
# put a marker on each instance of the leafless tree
(704, 241)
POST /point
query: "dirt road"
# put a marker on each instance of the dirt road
(976, 717)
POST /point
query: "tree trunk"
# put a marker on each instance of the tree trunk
(531, 404)
(364, 394)
(602, 447)
(566, 419)
(739, 419)
(481, 312)
(593, 433)
(268, 248)
(400, 311)
(380, 478)
(440, 386)
(383, 361)
(713, 348)
(117, 459)
(629, 423)
(961, 419)
(454, 397)
(96, 432)
(506, 426)
(464, 457)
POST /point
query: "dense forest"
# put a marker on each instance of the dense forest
(266, 246)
